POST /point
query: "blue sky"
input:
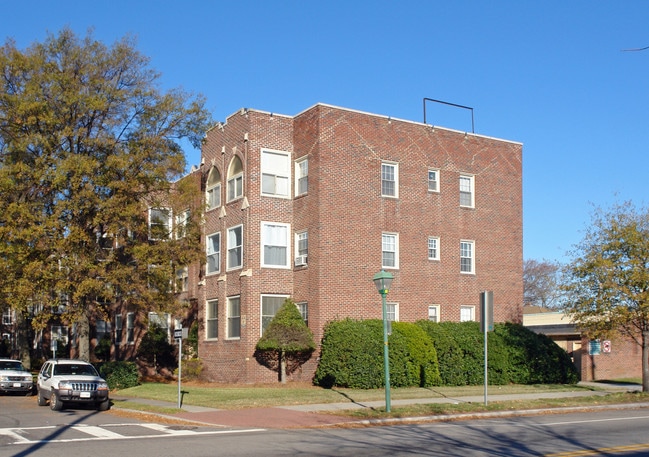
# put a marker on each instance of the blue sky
(552, 75)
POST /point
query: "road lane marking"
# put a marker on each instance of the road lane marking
(600, 451)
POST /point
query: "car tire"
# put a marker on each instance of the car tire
(103, 405)
(55, 403)
(40, 399)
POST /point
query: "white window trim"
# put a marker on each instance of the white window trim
(169, 225)
(437, 248)
(471, 179)
(130, 328)
(227, 249)
(208, 319)
(233, 179)
(228, 318)
(473, 255)
(288, 246)
(209, 252)
(261, 309)
(437, 181)
(299, 176)
(396, 251)
(471, 309)
(287, 176)
(396, 179)
(213, 189)
(437, 311)
(396, 311)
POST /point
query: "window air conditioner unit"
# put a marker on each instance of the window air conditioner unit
(300, 260)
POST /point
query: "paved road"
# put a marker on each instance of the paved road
(610, 433)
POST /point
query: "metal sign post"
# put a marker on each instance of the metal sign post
(487, 324)
(178, 335)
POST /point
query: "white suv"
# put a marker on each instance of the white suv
(71, 381)
(14, 377)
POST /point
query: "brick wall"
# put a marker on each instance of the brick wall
(345, 217)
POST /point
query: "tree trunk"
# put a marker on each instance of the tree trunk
(282, 367)
(645, 360)
(83, 334)
(22, 340)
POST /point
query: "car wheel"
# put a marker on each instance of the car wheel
(40, 399)
(55, 403)
(103, 405)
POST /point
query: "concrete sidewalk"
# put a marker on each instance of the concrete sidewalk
(306, 416)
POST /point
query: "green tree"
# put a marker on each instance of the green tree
(607, 282)
(88, 144)
(287, 342)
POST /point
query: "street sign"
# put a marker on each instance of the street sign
(178, 333)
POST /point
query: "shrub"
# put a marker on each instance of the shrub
(119, 375)
(192, 369)
(352, 356)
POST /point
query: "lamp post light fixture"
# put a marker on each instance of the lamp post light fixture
(382, 281)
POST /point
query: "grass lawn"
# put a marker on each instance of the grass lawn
(254, 396)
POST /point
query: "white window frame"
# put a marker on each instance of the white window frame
(233, 247)
(433, 313)
(386, 246)
(303, 308)
(276, 242)
(433, 180)
(467, 313)
(118, 329)
(182, 220)
(233, 319)
(467, 251)
(212, 319)
(467, 188)
(60, 332)
(182, 279)
(392, 312)
(130, 328)
(235, 180)
(301, 176)
(264, 316)
(388, 177)
(433, 248)
(213, 254)
(301, 246)
(275, 173)
(213, 189)
(7, 317)
(160, 223)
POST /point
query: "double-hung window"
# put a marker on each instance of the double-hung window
(390, 250)
(213, 189)
(467, 313)
(182, 220)
(182, 279)
(275, 244)
(433, 248)
(433, 313)
(118, 329)
(433, 180)
(301, 177)
(275, 173)
(234, 317)
(301, 248)
(392, 312)
(467, 193)
(389, 179)
(212, 319)
(159, 223)
(213, 253)
(235, 179)
(467, 256)
(130, 328)
(270, 304)
(235, 247)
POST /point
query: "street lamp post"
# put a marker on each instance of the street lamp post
(382, 281)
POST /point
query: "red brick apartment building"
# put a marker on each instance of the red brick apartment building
(312, 206)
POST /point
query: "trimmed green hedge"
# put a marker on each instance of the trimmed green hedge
(429, 354)
(119, 375)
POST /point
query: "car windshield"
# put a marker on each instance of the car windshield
(73, 369)
(11, 365)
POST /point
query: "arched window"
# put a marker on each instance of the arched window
(235, 179)
(213, 191)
